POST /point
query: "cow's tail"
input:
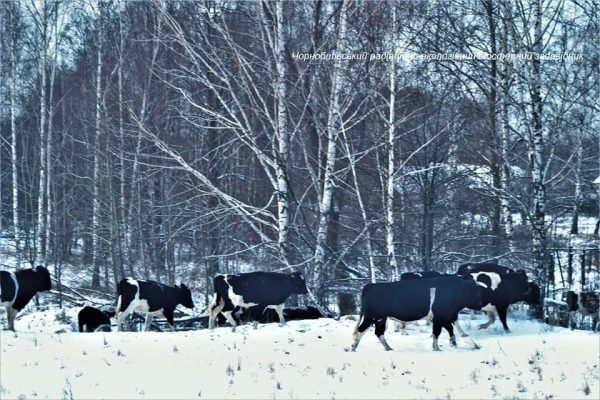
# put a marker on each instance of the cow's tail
(358, 322)
(362, 312)
(118, 308)
(119, 300)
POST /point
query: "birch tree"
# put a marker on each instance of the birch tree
(333, 128)
(391, 139)
(96, 177)
(13, 128)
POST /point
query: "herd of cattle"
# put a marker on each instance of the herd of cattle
(260, 296)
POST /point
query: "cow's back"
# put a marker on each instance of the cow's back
(260, 287)
(404, 300)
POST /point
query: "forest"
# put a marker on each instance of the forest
(350, 140)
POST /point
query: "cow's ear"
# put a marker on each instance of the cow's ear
(183, 286)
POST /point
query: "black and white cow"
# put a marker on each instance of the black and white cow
(18, 288)
(261, 289)
(91, 319)
(411, 300)
(150, 297)
(587, 303)
(508, 287)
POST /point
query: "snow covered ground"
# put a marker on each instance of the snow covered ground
(304, 359)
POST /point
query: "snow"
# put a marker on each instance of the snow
(304, 359)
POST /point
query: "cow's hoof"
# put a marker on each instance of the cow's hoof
(507, 330)
(464, 335)
(453, 341)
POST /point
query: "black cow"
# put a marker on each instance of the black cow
(411, 300)
(267, 315)
(588, 303)
(508, 286)
(18, 288)
(262, 289)
(419, 275)
(150, 297)
(91, 319)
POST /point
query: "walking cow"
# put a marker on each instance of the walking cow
(150, 297)
(508, 286)
(262, 289)
(411, 300)
(18, 288)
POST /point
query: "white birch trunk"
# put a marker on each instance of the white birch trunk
(389, 203)
(537, 152)
(334, 123)
(49, 177)
(13, 142)
(505, 143)
(41, 210)
(97, 141)
(124, 227)
(283, 139)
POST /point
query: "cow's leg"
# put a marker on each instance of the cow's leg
(459, 329)
(170, 318)
(11, 313)
(448, 326)
(502, 311)
(121, 318)
(230, 319)
(380, 331)
(437, 329)
(572, 320)
(491, 317)
(149, 317)
(360, 330)
(215, 310)
(279, 310)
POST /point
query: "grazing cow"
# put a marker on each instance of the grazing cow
(419, 275)
(91, 319)
(508, 286)
(18, 288)
(263, 289)
(150, 297)
(588, 303)
(411, 300)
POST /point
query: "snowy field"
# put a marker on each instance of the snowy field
(305, 359)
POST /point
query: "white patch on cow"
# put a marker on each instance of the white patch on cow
(481, 284)
(133, 282)
(236, 299)
(11, 302)
(431, 300)
(495, 278)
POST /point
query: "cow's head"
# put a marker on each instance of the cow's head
(532, 294)
(42, 280)
(298, 283)
(185, 297)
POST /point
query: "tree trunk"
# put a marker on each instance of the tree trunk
(96, 234)
(390, 189)
(334, 125)
(13, 129)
